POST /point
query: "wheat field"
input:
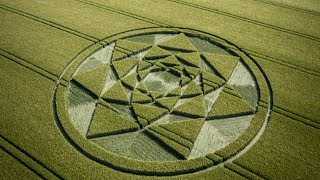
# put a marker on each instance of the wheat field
(106, 89)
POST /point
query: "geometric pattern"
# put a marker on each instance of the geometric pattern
(167, 91)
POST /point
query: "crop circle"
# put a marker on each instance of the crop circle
(162, 101)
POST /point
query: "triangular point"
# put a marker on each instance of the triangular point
(224, 64)
(107, 122)
(116, 94)
(132, 46)
(188, 129)
(94, 79)
(179, 42)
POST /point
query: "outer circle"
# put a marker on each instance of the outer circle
(230, 152)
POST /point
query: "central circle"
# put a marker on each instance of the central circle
(162, 81)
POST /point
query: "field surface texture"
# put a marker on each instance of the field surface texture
(161, 89)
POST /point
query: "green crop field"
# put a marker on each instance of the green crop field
(166, 89)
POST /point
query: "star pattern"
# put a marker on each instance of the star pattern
(170, 89)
